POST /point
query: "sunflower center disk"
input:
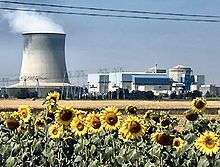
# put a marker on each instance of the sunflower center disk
(112, 119)
(55, 131)
(54, 99)
(135, 127)
(80, 126)
(192, 116)
(199, 104)
(164, 139)
(66, 115)
(209, 143)
(176, 143)
(12, 124)
(96, 123)
(24, 114)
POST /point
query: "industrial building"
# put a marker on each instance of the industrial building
(132, 81)
(182, 78)
(179, 79)
(43, 65)
(210, 90)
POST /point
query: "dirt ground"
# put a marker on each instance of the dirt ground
(88, 104)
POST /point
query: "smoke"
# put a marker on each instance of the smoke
(23, 22)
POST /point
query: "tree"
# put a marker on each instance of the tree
(23, 94)
(208, 94)
(196, 94)
(173, 95)
(149, 95)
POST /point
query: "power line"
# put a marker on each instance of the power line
(110, 10)
(110, 15)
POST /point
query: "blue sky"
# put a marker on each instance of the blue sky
(94, 42)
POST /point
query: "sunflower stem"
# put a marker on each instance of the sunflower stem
(86, 156)
(46, 135)
(114, 149)
(60, 144)
(161, 157)
(211, 160)
(136, 147)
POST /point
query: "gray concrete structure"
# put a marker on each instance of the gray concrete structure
(43, 66)
(43, 62)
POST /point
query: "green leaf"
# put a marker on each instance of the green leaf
(94, 164)
(109, 150)
(86, 142)
(15, 149)
(78, 159)
(124, 165)
(120, 159)
(123, 152)
(134, 155)
(11, 162)
(93, 149)
(79, 147)
(37, 146)
(203, 162)
(217, 162)
(107, 139)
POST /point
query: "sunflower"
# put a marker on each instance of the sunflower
(64, 115)
(166, 122)
(24, 112)
(51, 101)
(93, 123)
(131, 109)
(208, 143)
(12, 123)
(53, 97)
(132, 128)
(55, 131)
(40, 123)
(147, 115)
(111, 118)
(78, 126)
(80, 114)
(192, 116)
(162, 138)
(156, 118)
(199, 104)
(178, 143)
(9, 115)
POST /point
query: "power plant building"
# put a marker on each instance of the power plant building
(43, 65)
(102, 83)
(182, 77)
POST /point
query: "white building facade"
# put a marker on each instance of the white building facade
(132, 81)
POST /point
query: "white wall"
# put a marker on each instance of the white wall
(93, 81)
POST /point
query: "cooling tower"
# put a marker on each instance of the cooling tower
(43, 60)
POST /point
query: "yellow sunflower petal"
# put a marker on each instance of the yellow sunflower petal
(111, 118)
(78, 126)
(208, 143)
(132, 128)
(199, 104)
(24, 113)
(93, 123)
(55, 131)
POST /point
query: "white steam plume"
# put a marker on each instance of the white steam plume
(26, 22)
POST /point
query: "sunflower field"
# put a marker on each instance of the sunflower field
(63, 136)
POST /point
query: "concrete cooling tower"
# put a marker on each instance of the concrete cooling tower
(43, 62)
